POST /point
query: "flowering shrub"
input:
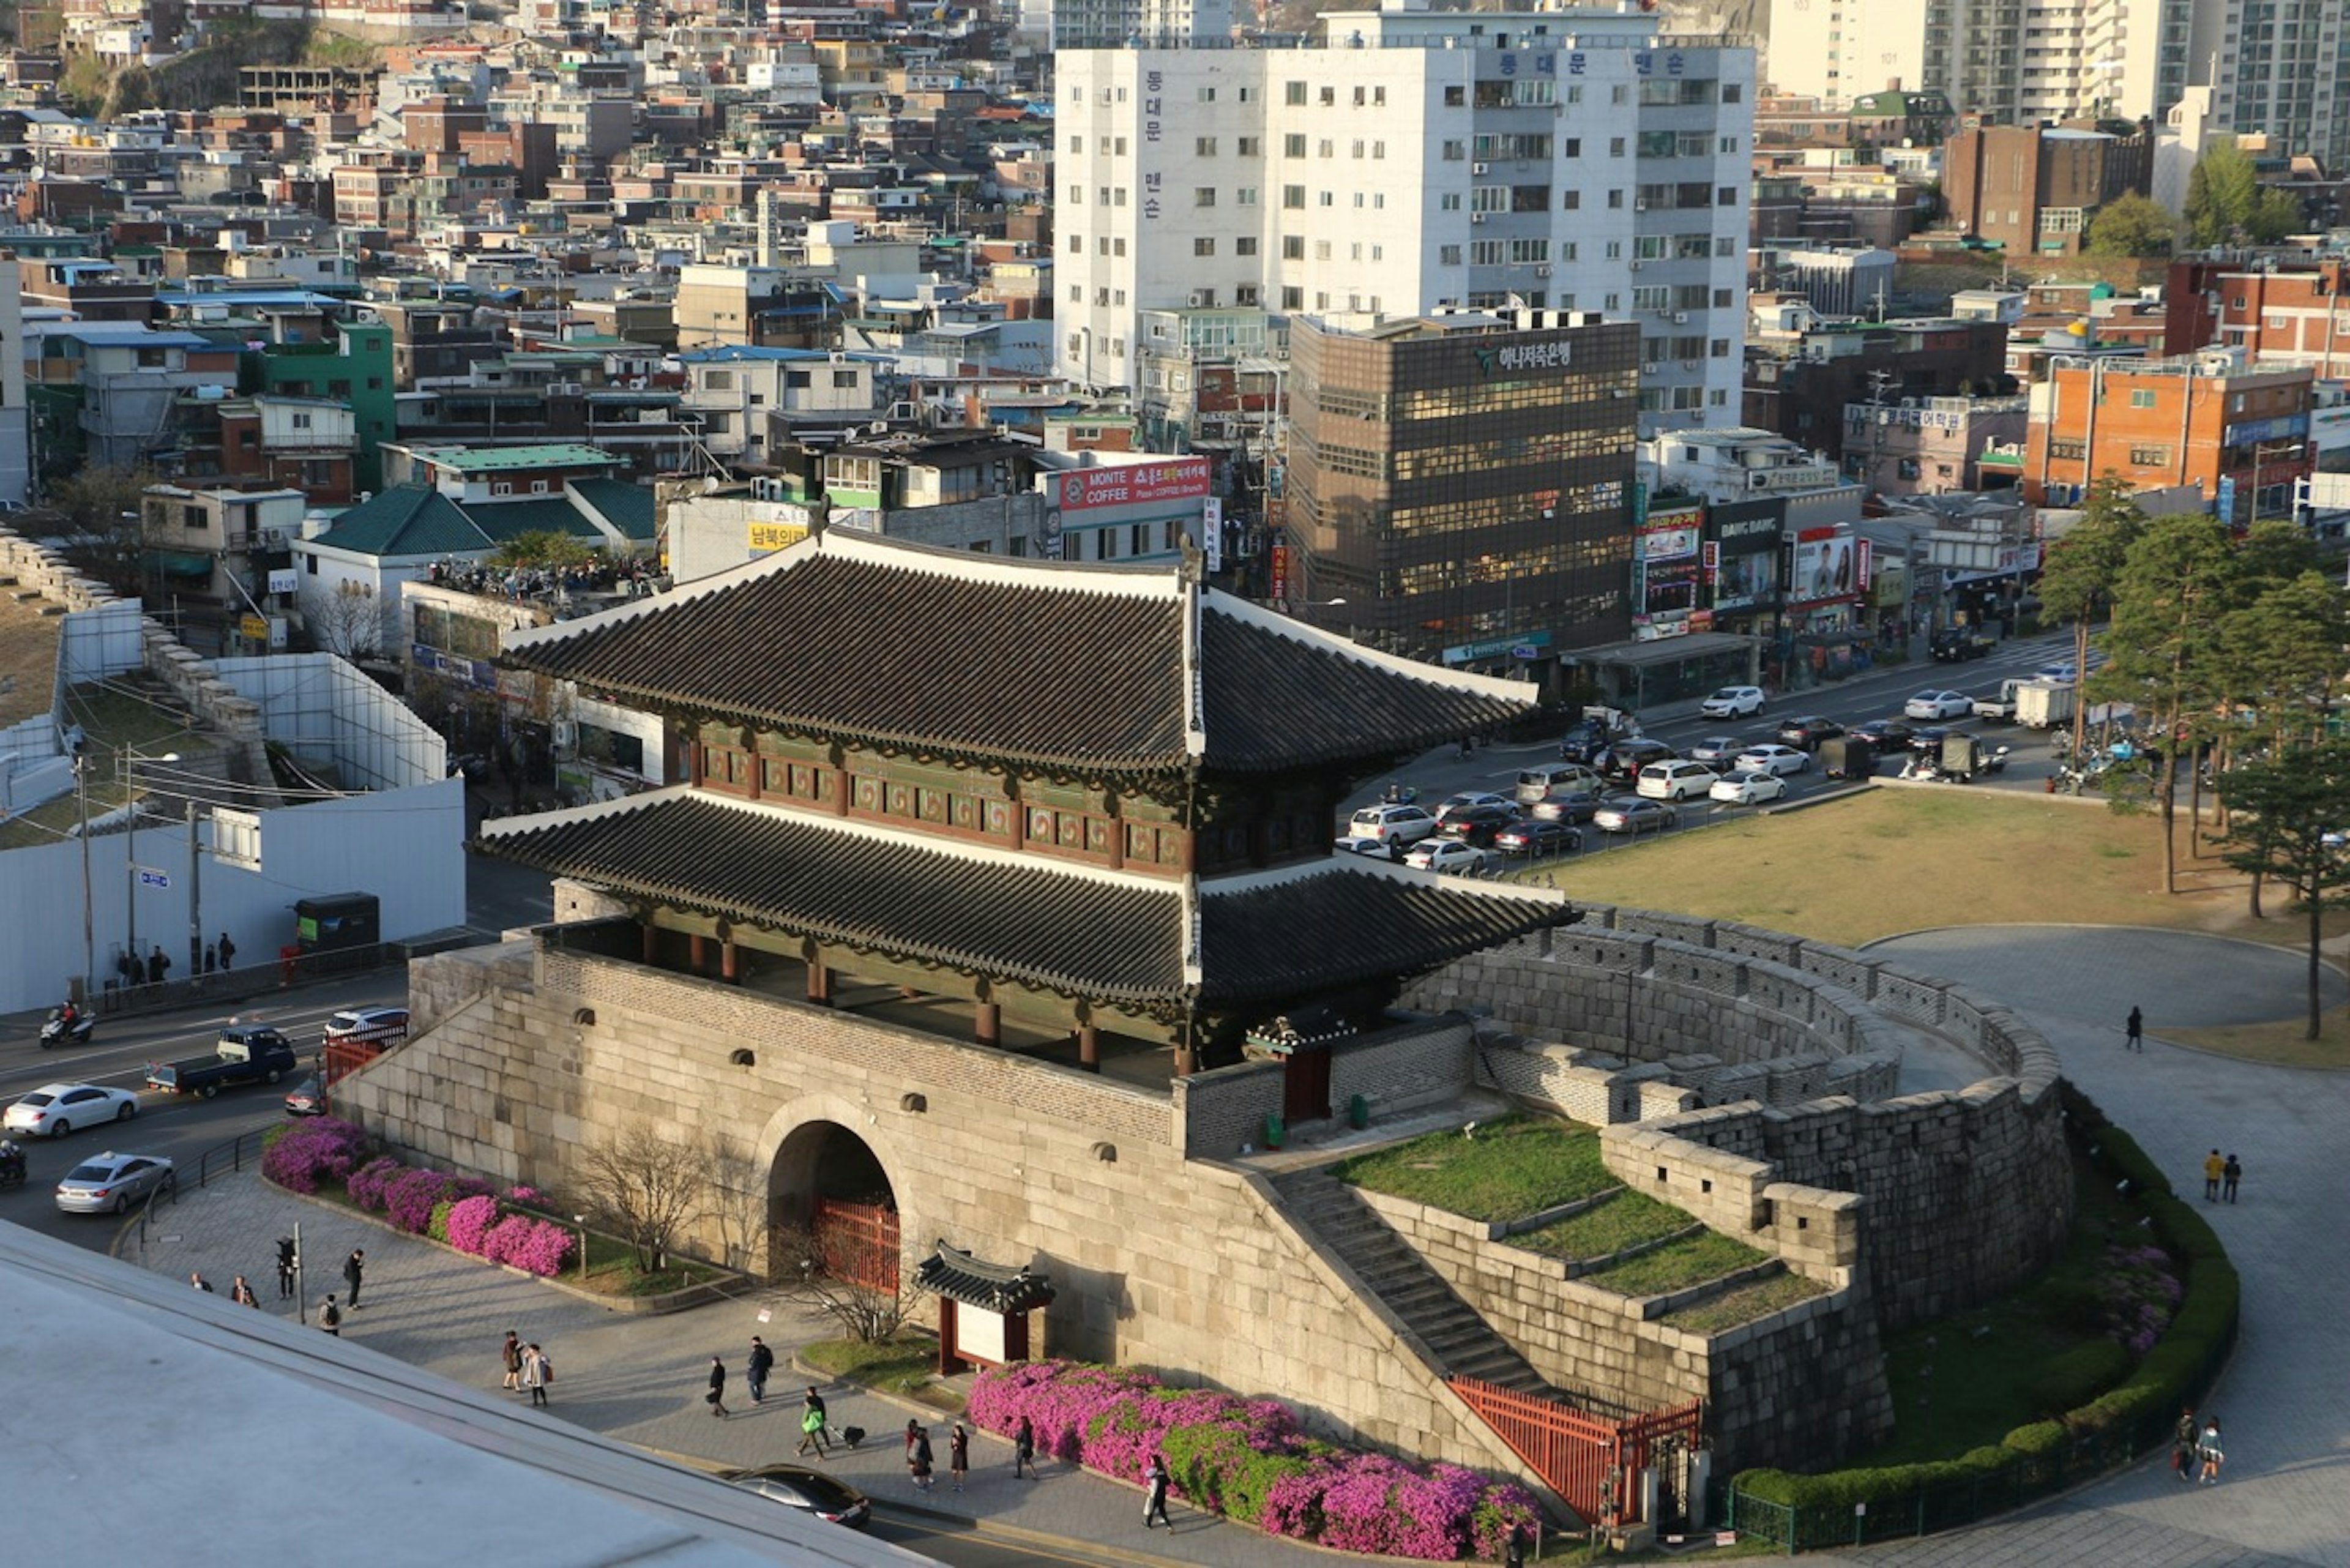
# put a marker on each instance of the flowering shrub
(367, 1185)
(409, 1201)
(470, 1220)
(1247, 1458)
(2141, 1292)
(320, 1149)
(533, 1246)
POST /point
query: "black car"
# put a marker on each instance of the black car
(1885, 734)
(1476, 824)
(811, 1491)
(1928, 741)
(1537, 836)
(1805, 730)
(1961, 643)
(1583, 740)
(1625, 759)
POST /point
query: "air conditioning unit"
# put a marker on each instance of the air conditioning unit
(566, 388)
(1689, 364)
(566, 735)
(1681, 318)
(1198, 299)
(1639, 203)
(1476, 217)
(1651, 368)
(1542, 272)
(1477, 168)
(1635, 264)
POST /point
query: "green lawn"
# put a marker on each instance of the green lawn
(1745, 1304)
(1513, 1166)
(900, 1365)
(1624, 1221)
(1691, 1260)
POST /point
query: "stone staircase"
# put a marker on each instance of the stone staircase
(1454, 1338)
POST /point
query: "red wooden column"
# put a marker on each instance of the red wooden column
(1089, 1047)
(949, 1362)
(989, 1029)
(729, 968)
(697, 953)
(652, 940)
(819, 983)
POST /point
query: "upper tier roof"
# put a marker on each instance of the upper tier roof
(1086, 668)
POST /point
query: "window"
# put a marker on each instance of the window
(1572, 147)
(1245, 246)
(1453, 151)
(1485, 253)
(1204, 245)
(1448, 202)
(1731, 93)
(1293, 198)
(1077, 294)
(1207, 95)
(1570, 201)
(1615, 147)
(1245, 196)
(1292, 247)
(1077, 244)
(1293, 298)
(1138, 541)
(1204, 195)
(718, 381)
(1204, 147)
(1456, 97)
(1245, 293)
(2141, 397)
(1726, 196)
(1292, 92)
(1448, 256)
(301, 421)
(1615, 200)
(2151, 456)
(844, 379)
(1252, 147)
(1329, 97)
(1293, 146)
(1322, 149)
(1106, 542)
(538, 487)
(1321, 250)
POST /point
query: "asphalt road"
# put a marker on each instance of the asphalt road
(964, 1545)
(1877, 694)
(180, 1128)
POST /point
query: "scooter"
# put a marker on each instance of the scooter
(1402, 795)
(57, 1031)
(12, 1166)
(1996, 762)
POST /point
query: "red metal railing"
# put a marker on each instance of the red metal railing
(1590, 1460)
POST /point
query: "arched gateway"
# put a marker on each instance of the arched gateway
(828, 1188)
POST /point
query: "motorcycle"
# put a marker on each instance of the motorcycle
(1996, 762)
(1402, 795)
(57, 1031)
(12, 1167)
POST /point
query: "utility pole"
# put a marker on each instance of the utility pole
(195, 907)
(88, 920)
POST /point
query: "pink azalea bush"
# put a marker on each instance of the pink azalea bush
(410, 1198)
(1247, 1458)
(470, 1220)
(320, 1149)
(369, 1185)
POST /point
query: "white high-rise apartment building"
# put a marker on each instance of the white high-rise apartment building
(2017, 61)
(1556, 159)
(2278, 66)
(1114, 24)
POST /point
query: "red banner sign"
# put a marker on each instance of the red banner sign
(1127, 484)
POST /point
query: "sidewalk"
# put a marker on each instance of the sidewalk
(641, 1379)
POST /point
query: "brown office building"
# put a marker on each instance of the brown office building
(1462, 482)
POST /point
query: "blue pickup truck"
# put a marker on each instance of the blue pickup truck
(245, 1054)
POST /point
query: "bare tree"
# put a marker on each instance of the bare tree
(645, 1187)
(849, 1276)
(348, 621)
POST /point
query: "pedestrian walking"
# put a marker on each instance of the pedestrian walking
(227, 952)
(2188, 1437)
(331, 1317)
(2137, 1040)
(2214, 1167)
(1516, 1545)
(1023, 1451)
(158, 965)
(2208, 1451)
(285, 1266)
(812, 1421)
(354, 1268)
(538, 1372)
(959, 1455)
(716, 1398)
(212, 959)
(1154, 1494)
(2230, 1174)
(755, 1371)
(199, 1281)
(242, 1293)
(511, 1352)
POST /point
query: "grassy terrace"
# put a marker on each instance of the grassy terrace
(1626, 1220)
(1513, 1166)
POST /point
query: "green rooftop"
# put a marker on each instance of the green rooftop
(504, 459)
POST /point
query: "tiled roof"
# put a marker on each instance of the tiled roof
(499, 459)
(1263, 939)
(405, 520)
(627, 507)
(1037, 663)
(503, 519)
(996, 1287)
(1088, 936)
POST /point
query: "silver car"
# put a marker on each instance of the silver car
(109, 1183)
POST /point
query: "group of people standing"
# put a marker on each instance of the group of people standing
(2221, 1176)
(2196, 1455)
(528, 1370)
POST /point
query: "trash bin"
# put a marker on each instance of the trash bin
(1274, 1133)
(1358, 1113)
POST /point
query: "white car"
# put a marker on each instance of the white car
(1446, 855)
(1732, 702)
(1376, 848)
(1748, 786)
(54, 1110)
(1938, 705)
(1391, 823)
(1467, 798)
(1774, 760)
(1675, 779)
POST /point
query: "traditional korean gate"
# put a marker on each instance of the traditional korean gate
(1306, 1084)
(858, 1241)
(1592, 1461)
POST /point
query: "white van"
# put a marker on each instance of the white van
(1677, 781)
(1535, 784)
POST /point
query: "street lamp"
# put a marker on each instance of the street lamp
(130, 756)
